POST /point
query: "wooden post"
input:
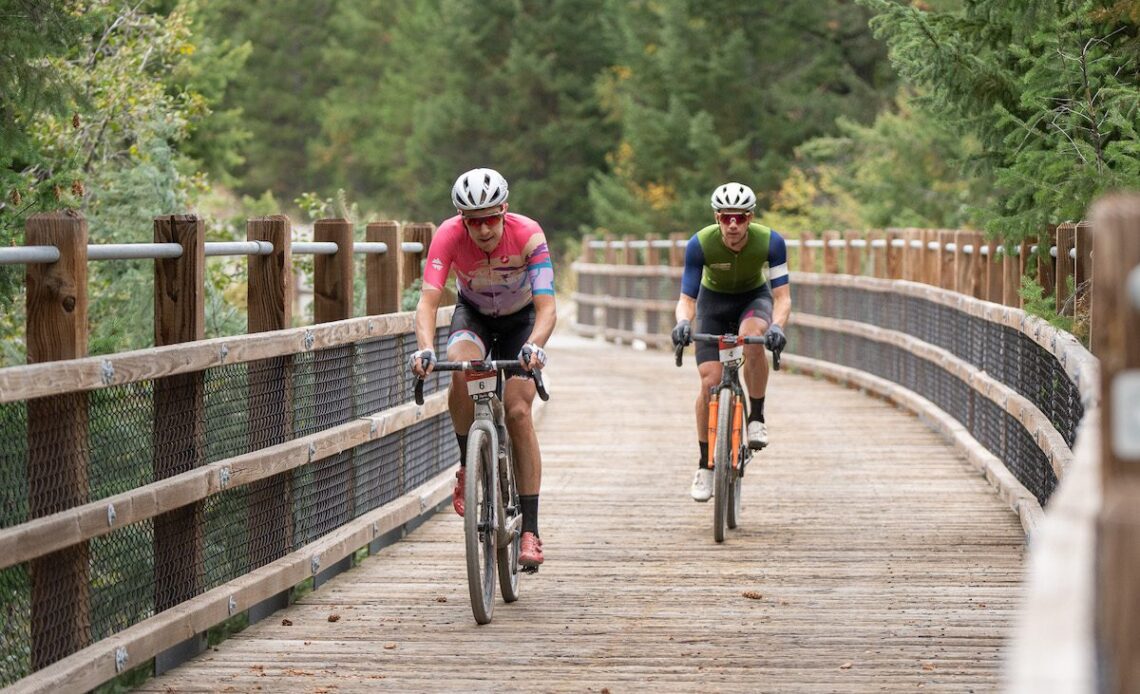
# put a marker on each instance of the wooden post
(382, 272)
(993, 263)
(1116, 342)
(652, 286)
(332, 290)
(412, 264)
(57, 474)
(807, 253)
(1011, 274)
(878, 254)
(628, 283)
(912, 257)
(931, 258)
(1082, 273)
(613, 286)
(1046, 262)
(965, 263)
(830, 253)
(332, 274)
(179, 407)
(586, 311)
(896, 255)
(948, 269)
(270, 301)
(854, 260)
(676, 259)
(1066, 237)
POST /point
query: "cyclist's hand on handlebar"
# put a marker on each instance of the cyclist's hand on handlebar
(531, 356)
(682, 333)
(775, 339)
(422, 362)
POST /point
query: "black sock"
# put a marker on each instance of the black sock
(756, 413)
(529, 503)
(704, 461)
(462, 439)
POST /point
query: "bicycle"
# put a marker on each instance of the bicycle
(492, 519)
(728, 413)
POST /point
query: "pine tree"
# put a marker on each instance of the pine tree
(710, 92)
(1050, 88)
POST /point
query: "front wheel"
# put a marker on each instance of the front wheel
(478, 523)
(722, 463)
(508, 550)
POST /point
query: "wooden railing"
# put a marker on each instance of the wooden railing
(306, 420)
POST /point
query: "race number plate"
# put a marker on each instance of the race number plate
(480, 382)
(731, 354)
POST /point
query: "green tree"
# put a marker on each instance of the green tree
(906, 169)
(709, 92)
(280, 89)
(1051, 90)
(455, 84)
(114, 153)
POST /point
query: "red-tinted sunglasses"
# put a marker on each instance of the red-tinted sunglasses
(733, 217)
(489, 220)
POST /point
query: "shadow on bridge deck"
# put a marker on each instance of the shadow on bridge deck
(870, 557)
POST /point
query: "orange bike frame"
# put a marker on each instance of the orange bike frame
(737, 419)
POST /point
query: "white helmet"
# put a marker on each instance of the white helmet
(733, 196)
(479, 188)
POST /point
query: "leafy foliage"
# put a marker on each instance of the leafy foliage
(1050, 89)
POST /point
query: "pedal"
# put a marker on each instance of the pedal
(528, 569)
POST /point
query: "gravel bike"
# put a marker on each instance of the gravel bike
(728, 417)
(492, 519)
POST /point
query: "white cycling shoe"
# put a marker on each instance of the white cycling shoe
(702, 488)
(757, 435)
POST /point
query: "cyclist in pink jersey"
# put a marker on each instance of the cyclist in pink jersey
(506, 301)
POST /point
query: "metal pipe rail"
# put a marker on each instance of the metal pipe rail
(950, 247)
(29, 255)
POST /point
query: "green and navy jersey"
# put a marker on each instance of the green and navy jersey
(709, 263)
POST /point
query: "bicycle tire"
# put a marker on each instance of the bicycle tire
(733, 518)
(722, 462)
(480, 496)
(508, 552)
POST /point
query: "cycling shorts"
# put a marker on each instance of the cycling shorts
(719, 313)
(504, 336)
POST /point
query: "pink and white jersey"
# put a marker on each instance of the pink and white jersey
(497, 283)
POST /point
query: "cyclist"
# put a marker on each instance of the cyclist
(506, 291)
(736, 280)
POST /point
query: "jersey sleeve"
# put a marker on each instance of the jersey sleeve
(694, 267)
(441, 254)
(777, 261)
(539, 269)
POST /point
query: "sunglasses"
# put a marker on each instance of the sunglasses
(489, 220)
(733, 217)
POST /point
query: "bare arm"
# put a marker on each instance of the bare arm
(545, 316)
(425, 322)
(686, 308)
(782, 305)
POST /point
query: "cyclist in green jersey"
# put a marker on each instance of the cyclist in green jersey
(735, 281)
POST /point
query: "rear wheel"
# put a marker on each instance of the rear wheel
(478, 525)
(508, 549)
(722, 463)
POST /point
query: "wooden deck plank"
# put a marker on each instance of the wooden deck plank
(876, 559)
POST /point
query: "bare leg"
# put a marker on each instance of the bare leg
(755, 371)
(459, 403)
(710, 376)
(518, 396)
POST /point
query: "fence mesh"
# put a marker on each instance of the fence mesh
(138, 433)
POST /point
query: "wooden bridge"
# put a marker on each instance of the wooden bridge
(871, 556)
(922, 433)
